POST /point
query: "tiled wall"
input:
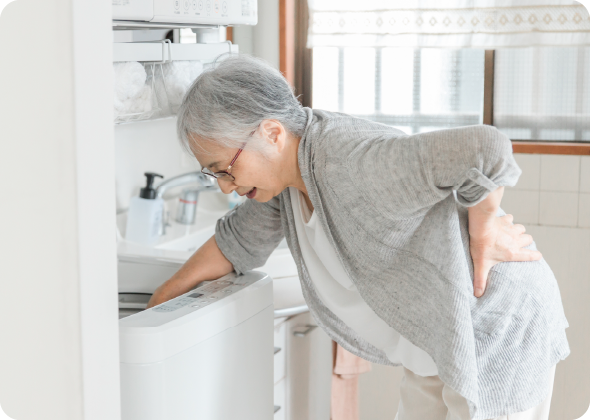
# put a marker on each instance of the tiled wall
(554, 190)
(552, 199)
(567, 250)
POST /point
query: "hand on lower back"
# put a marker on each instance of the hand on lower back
(495, 241)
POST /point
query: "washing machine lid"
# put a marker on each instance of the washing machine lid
(174, 326)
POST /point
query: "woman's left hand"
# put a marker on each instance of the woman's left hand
(494, 239)
(501, 241)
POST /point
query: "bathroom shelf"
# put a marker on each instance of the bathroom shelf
(164, 52)
(132, 24)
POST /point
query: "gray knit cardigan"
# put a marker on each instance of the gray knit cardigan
(394, 207)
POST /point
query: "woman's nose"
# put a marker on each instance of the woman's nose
(226, 186)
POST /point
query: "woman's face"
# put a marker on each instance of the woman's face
(258, 174)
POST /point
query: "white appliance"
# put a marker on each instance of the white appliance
(206, 355)
(200, 12)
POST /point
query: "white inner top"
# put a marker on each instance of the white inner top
(339, 294)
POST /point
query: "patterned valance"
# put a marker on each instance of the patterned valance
(448, 23)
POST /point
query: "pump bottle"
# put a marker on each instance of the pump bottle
(145, 214)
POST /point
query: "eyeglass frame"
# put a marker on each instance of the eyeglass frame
(221, 174)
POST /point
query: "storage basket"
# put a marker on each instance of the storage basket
(151, 90)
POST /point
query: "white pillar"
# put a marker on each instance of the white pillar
(58, 285)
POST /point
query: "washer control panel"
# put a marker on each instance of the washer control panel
(220, 11)
(208, 294)
(208, 12)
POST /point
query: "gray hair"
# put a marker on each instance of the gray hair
(229, 101)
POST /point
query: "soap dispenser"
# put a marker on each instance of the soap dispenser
(145, 214)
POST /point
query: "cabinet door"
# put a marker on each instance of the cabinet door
(309, 370)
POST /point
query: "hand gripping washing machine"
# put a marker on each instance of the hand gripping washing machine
(206, 355)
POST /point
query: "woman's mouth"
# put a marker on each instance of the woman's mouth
(250, 194)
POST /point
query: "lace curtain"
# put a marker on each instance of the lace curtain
(488, 24)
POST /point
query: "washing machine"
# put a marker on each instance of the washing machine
(206, 355)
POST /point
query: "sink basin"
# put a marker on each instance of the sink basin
(189, 243)
(178, 243)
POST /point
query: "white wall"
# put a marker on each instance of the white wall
(95, 182)
(59, 350)
(149, 146)
(261, 40)
(39, 233)
(552, 199)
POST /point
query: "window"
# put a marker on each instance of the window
(540, 94)
(414, 90)
(543, 93)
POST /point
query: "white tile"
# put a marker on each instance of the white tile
(574, 286)
(560, 173)
(558, 209)
(523, 205)
(584, 211)
(585, 174)
(531, 171)
(555, 245)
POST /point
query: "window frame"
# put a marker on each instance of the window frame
(540, 147)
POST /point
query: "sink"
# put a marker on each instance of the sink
(189, 243)
(178, 243)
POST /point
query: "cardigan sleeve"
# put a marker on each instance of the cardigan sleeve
(250, 233)
(419, 170)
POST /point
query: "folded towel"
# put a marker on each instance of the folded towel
(134, 93)
(179, 76)
(130, 78)
(131, 93)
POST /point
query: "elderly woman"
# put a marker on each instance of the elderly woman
(396, 237)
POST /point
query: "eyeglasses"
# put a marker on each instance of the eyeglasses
(227, 172)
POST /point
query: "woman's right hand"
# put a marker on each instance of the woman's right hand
(207, 263)
(159, 296)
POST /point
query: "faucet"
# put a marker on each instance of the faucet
(187, 207)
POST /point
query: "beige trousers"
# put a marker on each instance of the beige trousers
(428, 398)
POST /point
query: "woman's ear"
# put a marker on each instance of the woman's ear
(274, 133)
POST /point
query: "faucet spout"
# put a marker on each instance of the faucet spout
(186, 212)
(185, 179)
